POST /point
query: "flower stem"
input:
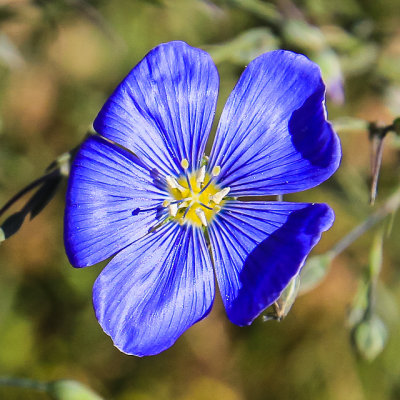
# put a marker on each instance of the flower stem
(23, 383)
(388, 207)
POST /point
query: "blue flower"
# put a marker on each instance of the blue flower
(143, 192)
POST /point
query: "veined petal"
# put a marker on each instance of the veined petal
(273, 137)
(258, 247)
(163, 110)
(112, 200)
(155, 289)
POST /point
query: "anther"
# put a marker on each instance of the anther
(173, 209)
(201, 174)
(202, 216)
(173, 184)
(217, 197)
(216, 170)
(166, 203)
(185, 163)
(183, 204)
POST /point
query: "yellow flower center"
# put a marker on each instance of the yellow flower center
(195, 198)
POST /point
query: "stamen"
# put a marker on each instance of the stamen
(201, 174)
(217, 197)
(173, 184)
(202, 216)
(216, 170)
(171, 181)
(166, 203)
(185, 163)
(173, 209)
(197, 201)
(183, 205)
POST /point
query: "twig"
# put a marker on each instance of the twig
(390, 206)
(23, 383)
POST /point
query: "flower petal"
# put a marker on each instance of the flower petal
(163, 110)
(273, 137)
(155, 289)
(258, 247)
(109, 191)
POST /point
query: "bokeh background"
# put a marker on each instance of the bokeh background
(59, 60)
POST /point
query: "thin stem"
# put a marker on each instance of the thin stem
(390, 206)
(376, 161)
(23, 383)
(374, 274)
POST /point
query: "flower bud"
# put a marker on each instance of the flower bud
(71, 390)
(285, 302)
(370, 337)
(314, 272)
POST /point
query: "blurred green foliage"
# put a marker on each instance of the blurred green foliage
(59, 60)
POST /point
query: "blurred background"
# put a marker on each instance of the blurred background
(59, 61)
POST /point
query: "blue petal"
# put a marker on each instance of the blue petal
(258, 247)
(163, 110)
(108, 192)
(273, 137)
(155, 289)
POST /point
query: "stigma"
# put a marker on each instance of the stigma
(194, 197)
